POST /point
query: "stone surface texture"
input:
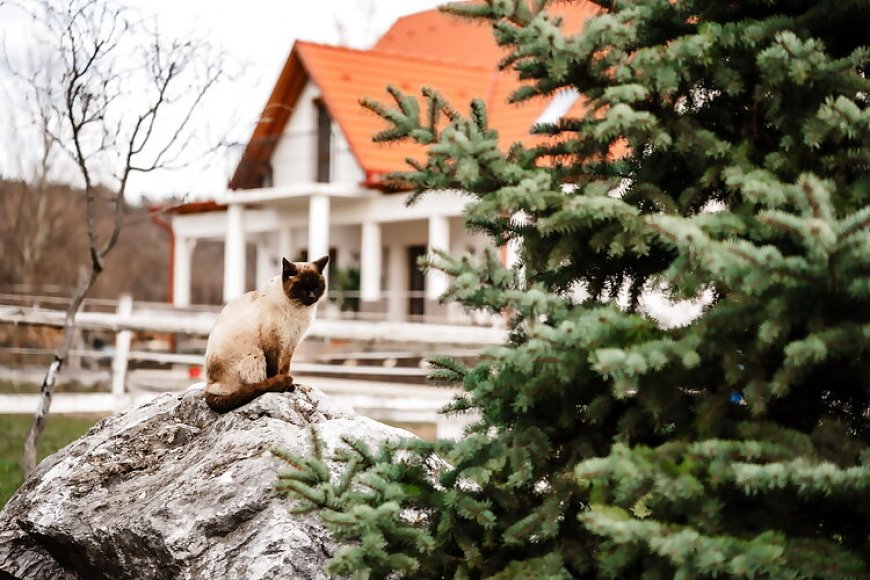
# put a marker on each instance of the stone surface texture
(173, 490)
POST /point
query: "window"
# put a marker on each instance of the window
(416, 281)
(324, 142)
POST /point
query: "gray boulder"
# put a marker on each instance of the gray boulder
(173, 490)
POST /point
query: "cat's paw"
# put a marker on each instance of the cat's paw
(279, 384)
(288, 385)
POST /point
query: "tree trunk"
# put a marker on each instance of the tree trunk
(28, 461)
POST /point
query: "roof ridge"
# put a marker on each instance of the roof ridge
(426, 11)
(400, 55)
(433, 60)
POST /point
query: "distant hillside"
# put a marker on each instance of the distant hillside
(43, 242)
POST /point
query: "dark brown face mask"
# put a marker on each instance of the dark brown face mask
(304, 282)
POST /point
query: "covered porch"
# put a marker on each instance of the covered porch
(373, 240)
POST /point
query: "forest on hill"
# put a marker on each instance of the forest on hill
(43, 244)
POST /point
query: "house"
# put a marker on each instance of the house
(311, 181)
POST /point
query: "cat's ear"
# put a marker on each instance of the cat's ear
(288, 269)
(321, 263)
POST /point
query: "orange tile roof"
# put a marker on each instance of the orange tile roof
(434, 34)
(345, 75)
(456, 56)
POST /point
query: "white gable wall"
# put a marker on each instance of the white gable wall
(295, 157)
(345, 169)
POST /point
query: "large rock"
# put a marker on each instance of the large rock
(173, 490)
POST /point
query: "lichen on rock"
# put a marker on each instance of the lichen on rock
(173, 490)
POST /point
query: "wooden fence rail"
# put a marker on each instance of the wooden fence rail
(400, 402)
(201, 323)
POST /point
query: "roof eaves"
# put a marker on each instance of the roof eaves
(254, 162)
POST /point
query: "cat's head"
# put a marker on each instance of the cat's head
(303, 281)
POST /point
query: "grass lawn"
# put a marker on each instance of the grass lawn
(59, 430)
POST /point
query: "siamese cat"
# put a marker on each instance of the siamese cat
(250, 348)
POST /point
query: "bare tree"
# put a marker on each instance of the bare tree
(119, 100)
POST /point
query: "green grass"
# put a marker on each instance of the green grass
(59, 430)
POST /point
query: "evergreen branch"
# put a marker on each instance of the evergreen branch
(823, 478)
(720, 151)
(448, 370)
(688, 549)
(855, 223)
(361, 449)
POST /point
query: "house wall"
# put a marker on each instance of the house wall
(345, 240)
(275, 220)
(415, 232)
(281, 229)
(397, 237)
(345, 169)
(463, 241)
(404, 233)
(294, 159)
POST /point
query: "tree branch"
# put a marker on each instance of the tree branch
(91, 115)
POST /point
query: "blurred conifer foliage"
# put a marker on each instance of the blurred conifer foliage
(724, 151)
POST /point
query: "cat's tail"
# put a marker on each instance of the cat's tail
(223, 402)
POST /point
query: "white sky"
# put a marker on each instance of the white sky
(257, 33)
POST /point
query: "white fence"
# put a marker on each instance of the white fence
(399, 397)
(200, 323)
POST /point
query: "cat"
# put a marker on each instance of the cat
(250, 348)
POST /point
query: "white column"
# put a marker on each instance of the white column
(511, 250)
(234, 253)
(397, 283)
(267, 265)
(370, 262)
(181, 270)
(318, 226)
(439, 239)
(285, 244)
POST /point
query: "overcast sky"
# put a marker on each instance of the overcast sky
(258, 34)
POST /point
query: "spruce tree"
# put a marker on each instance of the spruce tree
(724, 153)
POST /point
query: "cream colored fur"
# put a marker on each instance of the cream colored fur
(250, 325)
